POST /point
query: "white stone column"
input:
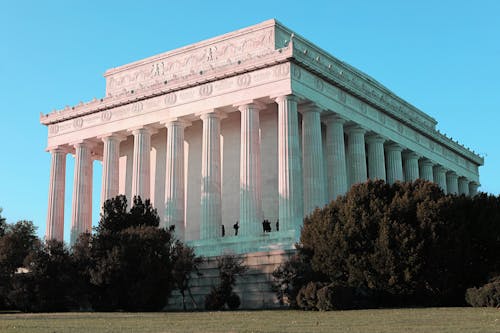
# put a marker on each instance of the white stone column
(452, 182)
(141, 163)
(335, 157)
(376, 158)
(55, 212)
(410, 161)
(312, 159)
(110, 167)
(211, 218)
(174, 179)
(394, 163)
(250, 172)
(426, 171)
(81, 217)
(357, 154)
(289, 169)
(440, 177)
(463, 186)
(473, 188)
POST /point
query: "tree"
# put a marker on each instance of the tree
(185, 263)
(47, 284)
(291, 276)
(3, 224)
(229, 267)
(404, 244)
(17, 241)
(487, 295)
(128, 259)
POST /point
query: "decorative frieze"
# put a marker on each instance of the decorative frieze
(191, 62)
(173, 99)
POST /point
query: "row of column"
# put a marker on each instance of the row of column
(372, 156)
(290, 183)
(301, 179)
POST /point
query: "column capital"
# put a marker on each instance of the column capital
(440, 168)
(82, 143)
(250, 104)
(375, 138)
(474, 184)
(355, 129)
(410, 154)
(333, 118)
(112, 137)
(310, 107)
(393, 146)
(58, 149)
(212, 113)
(143, 130)
(281, 98)
(426, 162)
(176, 121)
(452, 173)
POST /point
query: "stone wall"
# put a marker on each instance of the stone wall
(254, 287)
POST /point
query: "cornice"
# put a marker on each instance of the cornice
(436, 140)
(127, 97)
(189, 48)
(353, 81)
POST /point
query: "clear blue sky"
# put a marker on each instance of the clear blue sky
(441, 56)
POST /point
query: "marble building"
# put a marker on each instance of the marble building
(257, 124)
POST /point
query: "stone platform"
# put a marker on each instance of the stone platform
(254, 287)
(264, 242)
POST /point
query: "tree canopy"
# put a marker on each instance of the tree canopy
(128, 263)
(404, 244)
(129, 259)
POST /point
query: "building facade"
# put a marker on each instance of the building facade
(258, 124)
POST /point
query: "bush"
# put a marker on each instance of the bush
(233, 301)
(185, 263)
(47, 285)
(128, 261)
(291, 276)
(17, 241)
(406, 244)
(215, 300)
(307, 296)
(128, 264)
(332, 297)
(229, 267)
(487, 295)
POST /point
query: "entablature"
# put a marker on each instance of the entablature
(329, 96)
(239, 55)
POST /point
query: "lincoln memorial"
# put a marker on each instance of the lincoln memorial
(257, 124)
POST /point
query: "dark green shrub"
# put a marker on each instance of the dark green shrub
(215, 300)
(229, 267)
(332, 297)
(307, 296)
(47, 285)
(233, 301)
(291, 276)
(487, 295)
(129, 260)
(17, 241)
(406, 244)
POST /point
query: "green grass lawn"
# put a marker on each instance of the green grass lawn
(454, 320)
